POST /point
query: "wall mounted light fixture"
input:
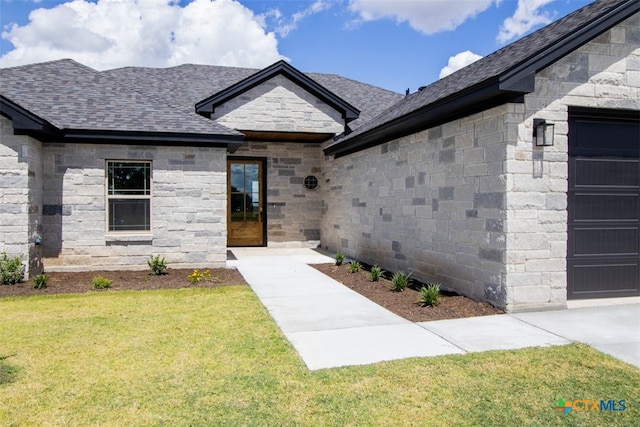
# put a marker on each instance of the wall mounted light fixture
(542, 133)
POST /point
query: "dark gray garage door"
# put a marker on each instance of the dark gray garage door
(603, 255)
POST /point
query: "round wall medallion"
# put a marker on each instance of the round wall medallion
(311, 182)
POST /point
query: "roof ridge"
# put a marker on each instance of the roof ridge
(176, 67)
(311, 74)
(53, 61)
(157, 99)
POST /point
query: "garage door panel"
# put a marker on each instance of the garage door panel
(603, 247)
(600, 280)
(605, 207)
(595, 137)
(605, 241)
(606, 173)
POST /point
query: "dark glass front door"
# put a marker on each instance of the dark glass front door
(245, 221)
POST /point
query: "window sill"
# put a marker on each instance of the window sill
(129, 237)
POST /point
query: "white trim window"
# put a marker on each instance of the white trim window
(128, 196)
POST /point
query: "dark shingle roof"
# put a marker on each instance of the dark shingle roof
(370, 100)
(189, 84)
(67, 96)
(71, 96)
(505, 74)
(184, 85)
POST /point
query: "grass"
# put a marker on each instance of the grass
(215, 357)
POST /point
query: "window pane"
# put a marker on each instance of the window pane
(251, 178)
(253, 212)
(129, 215)
(130, 178)
(237, 177)
(237, 207)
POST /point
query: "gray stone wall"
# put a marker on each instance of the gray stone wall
(36, 186)
(431, 203)
(473, 203)
(605, 73)
(20, 194)
(189, 197)
(279, 105)
(292, 212)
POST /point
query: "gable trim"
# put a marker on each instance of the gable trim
(522, 76)
(23, 120)
(207, 106)
(478, 98)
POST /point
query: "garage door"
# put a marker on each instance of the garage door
(603, 252)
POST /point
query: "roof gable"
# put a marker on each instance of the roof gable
(207, 106)
(503, 76)
(187, 84)
(282, 106)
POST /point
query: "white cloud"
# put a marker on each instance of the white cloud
(283, 26)
(459, 61)
(427, 17)
(526, 16)
(114, 33)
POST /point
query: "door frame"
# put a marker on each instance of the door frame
(263, 193)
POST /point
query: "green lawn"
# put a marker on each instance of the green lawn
(214, 357)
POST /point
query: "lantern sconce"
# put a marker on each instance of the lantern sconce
(542, 133)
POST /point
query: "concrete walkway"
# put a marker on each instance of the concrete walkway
(330, 325)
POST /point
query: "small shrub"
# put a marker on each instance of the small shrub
(11, 269)
(430, 295)
(354, 267)
(339, 258)
(375, 273)
(400, 280)
(198, 276)
(40, 281)
(157, 265)
(99, 282)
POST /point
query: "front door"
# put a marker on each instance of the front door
(245, 219)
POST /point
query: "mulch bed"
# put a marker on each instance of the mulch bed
(76, 282)
(405, 304)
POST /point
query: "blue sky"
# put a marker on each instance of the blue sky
(394, 44)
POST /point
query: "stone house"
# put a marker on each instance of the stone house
(515, 180)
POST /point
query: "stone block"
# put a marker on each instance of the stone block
(546, 265)
(488, 200)
(530, 294)
(526, 201)
(475, 170)
(495, 255)
(523, 279)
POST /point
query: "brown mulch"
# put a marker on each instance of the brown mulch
(59, 283)
(405, 304)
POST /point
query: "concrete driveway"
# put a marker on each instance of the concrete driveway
(330, 325)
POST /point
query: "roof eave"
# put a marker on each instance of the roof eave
(477, 98)
(507, 86)
(25, 122)
(207, 106)
(231, 142)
